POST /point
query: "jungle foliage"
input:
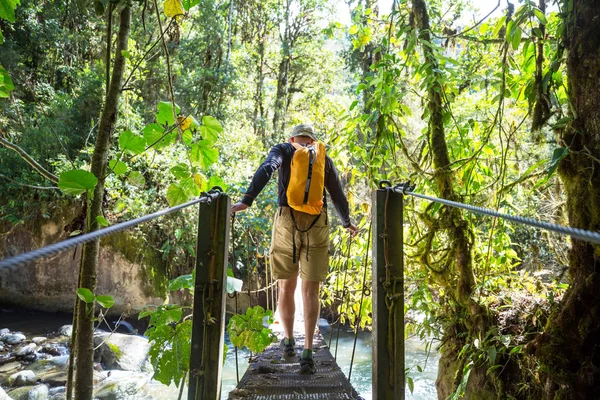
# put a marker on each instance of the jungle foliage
(499, 111)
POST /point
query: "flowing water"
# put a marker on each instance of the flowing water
(36, 323)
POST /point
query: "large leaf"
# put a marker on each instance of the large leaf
(204, 154)
(85, 295)
(1, 38)
(173, 8)
(187, 4)
(176, 194)
(155, 136)
(557, 156)
(181, 171)
(217, 181)
(7, 9)
(165, 113)
(118, 167)
(136, 179)
(76, 182)
(131, 143)
(6, 84)
(105, 301)
(211, 127)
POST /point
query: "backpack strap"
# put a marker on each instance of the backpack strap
(312, 157)
(294, 259)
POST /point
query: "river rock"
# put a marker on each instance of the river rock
(3, 395)
(122, 352)
(24, 350)
(57, 392)
(66, 330)
(121, 385)
(6, 358)
(4, 331)
(39, 392)
(54, 349)
(20, 393)
(1, 346)
(9, 367)
(22, 378)
(14, 338)
(39, 340)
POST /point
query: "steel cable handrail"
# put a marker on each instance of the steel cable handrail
(88, 237)
(581, 234)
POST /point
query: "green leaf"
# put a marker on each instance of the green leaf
(203, 154)
(165, 113)
(126, 54)
(187, 4)
(76, 182)
(217, 181)
(6, 84)
(557, 156)
(75, 232)
(102, 221)
(210, 129)
(85, 295)
(181, 171)
(7, 9)
(131, 143)
(105, 301)
(176, 195)
(1, 38)
(136, 179)
(411, 384)
(182, 282)
(516, 37)
(540, 16)
(118, 167)
(155, 136)
(561, 123)
(187, 137)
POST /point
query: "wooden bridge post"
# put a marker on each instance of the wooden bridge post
(206, 359)
(388, 284)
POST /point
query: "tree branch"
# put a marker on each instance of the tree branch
(26, 185)
(34, 164)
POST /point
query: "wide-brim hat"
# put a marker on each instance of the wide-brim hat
(304, 130)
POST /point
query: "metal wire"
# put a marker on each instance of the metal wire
(581, 234)
(56, 248)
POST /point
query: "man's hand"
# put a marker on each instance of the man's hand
(238, 207)
(353, 230)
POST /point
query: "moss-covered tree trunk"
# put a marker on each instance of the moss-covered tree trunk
(469, 318)
(569, 348)
(84, 346)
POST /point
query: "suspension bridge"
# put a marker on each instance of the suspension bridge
(268, 376)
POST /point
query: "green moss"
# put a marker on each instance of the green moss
(116, 350)
(135, 250)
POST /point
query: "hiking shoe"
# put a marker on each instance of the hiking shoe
(288, 349)
(307, 366)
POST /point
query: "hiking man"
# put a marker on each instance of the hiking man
(300, 241)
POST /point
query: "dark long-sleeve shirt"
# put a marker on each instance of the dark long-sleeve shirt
(280, 158)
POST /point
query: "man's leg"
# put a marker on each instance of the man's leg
(286, 305)
(310, 297)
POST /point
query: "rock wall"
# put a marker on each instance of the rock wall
(129, 269)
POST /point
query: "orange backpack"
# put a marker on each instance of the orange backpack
(307, 178)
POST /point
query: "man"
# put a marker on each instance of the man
(300, 241)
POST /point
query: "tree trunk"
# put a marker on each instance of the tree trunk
(569, 349)
(541, 109)
(282, 78)
(468, 316)
(85, 345)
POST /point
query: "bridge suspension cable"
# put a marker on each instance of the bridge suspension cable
(88, 237)
(581, 234)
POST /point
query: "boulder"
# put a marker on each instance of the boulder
(3, 395)
(22, 378)
(122, 352)
(9, 367)
(24, 350)
(4, 331)
(21, 393)
(66, 330)
(121, 385)
(13, 338)
(39, 392)
(39, 340)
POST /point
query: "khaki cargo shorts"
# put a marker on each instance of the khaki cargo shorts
(312, 247)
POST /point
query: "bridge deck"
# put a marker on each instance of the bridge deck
(271, 377)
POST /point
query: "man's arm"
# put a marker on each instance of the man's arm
(261, 177)
(334, 187)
